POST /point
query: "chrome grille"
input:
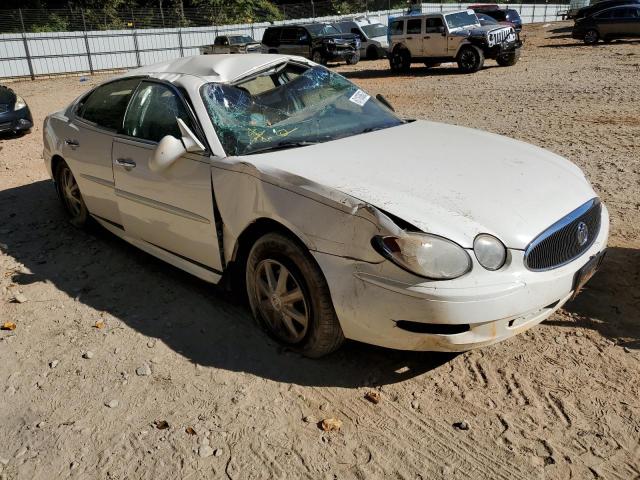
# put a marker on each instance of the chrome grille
(500, 35)
(566, 239)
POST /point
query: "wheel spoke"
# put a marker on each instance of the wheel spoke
(281, 286)
(262, 288)
(292, 296)
(300, 318)
(271, 279)
(288, 323)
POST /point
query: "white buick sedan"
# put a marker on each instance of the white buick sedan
(341, 219)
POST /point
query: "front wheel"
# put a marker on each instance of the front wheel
(591, 37)
(353, 59)
(318, 57)
(508, 59)
(470, 59)
(69, 193)
(290, 298)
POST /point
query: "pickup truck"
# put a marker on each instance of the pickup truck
(231, 44)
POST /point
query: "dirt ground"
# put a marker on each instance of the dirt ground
(561, 401)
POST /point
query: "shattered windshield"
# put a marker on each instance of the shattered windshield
(317, 29)
(461, 19)
(289, 106)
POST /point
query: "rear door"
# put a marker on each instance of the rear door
(171, 209)
(413, 36)
(88, 138)
(289, 41)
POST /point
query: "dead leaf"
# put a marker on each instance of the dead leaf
(8, 326)
(329, 424)
(161, 424)
(99, 324)
(190, 431)
(373, 396)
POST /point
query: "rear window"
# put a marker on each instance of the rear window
(106, 105)
(396, 27)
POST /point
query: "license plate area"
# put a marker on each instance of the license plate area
(583, 275)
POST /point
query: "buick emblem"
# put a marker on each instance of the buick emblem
(582, 233)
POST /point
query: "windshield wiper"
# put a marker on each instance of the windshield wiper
(283, 146)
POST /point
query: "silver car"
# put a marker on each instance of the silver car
(341, 219)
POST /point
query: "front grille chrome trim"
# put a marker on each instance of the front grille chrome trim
(561, 243)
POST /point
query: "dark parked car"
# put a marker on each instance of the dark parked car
(486, 19)
(599, 6)
(507, 15)
(319, 42)
(609, 24)
(15, 115)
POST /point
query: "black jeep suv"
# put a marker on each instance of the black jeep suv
(319, 42)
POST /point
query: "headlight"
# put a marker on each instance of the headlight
(490, 252)
(425, 255)
(20, 103)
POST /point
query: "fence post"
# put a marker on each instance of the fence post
(26, 46)
(533, 16)
(135, 39)
(313, 10)
(545, 11)
(86, 41)
(180, 42)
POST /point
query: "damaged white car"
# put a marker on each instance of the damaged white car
(342, 219)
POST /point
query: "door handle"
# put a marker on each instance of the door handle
(126, 163)
(71, 143)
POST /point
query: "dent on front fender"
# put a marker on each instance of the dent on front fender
(323, 219)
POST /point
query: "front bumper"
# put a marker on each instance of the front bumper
(503, 48)
(341, 53)
(372, 300)
(16, 121)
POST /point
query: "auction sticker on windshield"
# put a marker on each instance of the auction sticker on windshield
(360, 98)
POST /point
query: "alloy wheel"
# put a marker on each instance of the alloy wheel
(281, 301)
(591, 36)
(70, 192)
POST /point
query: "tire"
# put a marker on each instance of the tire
(508, 59)
(318, 57)
(591, 37)
(353, 59)
(470, 59)
(313, 328)
(70, 196)
(400, 60)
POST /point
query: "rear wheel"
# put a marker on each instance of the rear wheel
(591, 37)
(400, 60)
(290, 298)
(508, 59)
(470, 59)
(69, 193)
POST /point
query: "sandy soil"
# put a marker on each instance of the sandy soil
(561, 401)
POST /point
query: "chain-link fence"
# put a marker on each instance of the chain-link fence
(49, 42)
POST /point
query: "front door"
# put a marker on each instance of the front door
(413, 37)
(435, 38)
(171, 209)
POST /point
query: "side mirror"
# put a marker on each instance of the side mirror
(166, 153)
(441, 29)
(171, 149)
(385, 102)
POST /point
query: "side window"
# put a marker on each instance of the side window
(434, 25)
(106, 105)
(271, 37)
(153, 112)
(604, 15)
(302, 37)
(414, 25)
(218, 41)
(396, 27)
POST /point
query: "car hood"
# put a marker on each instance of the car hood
(447, 180)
